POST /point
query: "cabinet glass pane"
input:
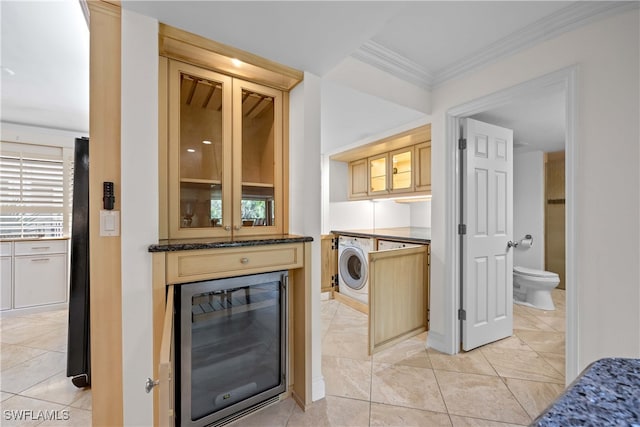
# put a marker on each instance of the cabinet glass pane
(200, 205)
(258, 156)
(401, 170)
(200, 152)
(378, 174)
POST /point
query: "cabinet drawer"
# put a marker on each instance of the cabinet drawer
(37, 247)
(40, 279)
(190, 266)
(5, 248)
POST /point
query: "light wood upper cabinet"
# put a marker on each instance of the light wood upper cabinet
(225, 155)
(378, 175)
(401, 170)
(423, 167)
(358, 179)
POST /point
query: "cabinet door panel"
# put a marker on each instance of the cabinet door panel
(423, 166)
(257, 144)
(401, 170)
(200, 152)
(358, 179)
(398, 295)
(5, 283)
(378, 173)
(40, 280)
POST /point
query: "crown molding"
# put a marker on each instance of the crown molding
(395, 64)
(569, 18)
(565, 20)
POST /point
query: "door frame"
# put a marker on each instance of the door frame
(566, 80)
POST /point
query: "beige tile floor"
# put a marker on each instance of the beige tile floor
(505, 383)
(33, 352)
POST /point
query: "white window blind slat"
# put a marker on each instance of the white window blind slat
(34, 195)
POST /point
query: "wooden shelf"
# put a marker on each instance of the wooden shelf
(257, 184)
(200, 181)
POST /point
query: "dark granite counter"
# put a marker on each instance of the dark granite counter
(225, 242)
(420, 235)
(607, 393)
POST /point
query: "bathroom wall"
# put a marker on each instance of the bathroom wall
(528, 207)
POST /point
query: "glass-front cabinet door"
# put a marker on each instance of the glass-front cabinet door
(200, 152)
(401, 170)
(378, 169)
(257, 153)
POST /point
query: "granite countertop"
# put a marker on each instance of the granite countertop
(225, 242)
(404, 234)
(607, 393)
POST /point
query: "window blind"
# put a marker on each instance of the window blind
(33, 200)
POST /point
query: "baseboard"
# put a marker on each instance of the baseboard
(355, 304)
(437, 342)
(317, 389)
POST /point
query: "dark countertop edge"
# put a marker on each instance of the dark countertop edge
(382, 236)
(188, 246)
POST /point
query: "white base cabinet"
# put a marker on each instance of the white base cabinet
(6, 292)
(34, 273)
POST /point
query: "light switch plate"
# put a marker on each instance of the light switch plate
(109, 223)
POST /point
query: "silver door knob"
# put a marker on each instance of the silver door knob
(511, 244)
(150, 384)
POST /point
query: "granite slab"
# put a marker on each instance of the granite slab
(420, 235)
(607, 393)
(225, 242)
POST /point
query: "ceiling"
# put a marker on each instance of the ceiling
(45, 45)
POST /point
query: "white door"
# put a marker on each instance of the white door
(487, 212)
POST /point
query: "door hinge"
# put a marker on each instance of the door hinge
(462, 314)
(334, 243)
(462, 229)
(462, 144)
(334, 280)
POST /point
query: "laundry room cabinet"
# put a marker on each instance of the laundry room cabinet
(225, 154)
(398, 283)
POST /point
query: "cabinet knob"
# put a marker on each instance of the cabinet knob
(244, 260)
(227, 228)
(237, 227)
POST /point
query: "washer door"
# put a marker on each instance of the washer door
(353, 268)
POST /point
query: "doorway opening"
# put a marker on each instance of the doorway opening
(563, 80)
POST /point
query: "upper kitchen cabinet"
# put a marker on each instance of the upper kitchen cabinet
(423, 167)
(397, 166)
(226, 141)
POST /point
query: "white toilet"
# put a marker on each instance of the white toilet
(533, 287)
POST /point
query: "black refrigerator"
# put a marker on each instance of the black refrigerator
(78, 348)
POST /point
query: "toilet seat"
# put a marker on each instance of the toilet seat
(535, 273)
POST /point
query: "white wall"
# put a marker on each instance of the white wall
(305, 198)
(606, 177)
(420, 214)
(139, 225)
(12, 132)
(528, 207)
(368, 79)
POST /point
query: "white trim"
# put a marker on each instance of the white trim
(35, 309)
(395, 64)
(318, 389)
(564, 79)
(569, 18)
(438, 342)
